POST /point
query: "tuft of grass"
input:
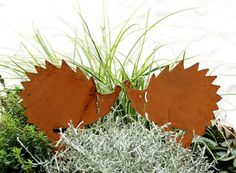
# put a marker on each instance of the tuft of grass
(103, 59)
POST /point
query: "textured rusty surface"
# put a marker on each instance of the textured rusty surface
(55, 96)
(184, 97)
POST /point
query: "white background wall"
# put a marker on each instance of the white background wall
(208, 30)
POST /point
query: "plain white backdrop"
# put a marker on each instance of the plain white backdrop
(208, 30)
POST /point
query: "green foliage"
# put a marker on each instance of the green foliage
(14, 130)
(108, 146)
(104, 59)
(220, 142)
(10, 104)
(115, 146)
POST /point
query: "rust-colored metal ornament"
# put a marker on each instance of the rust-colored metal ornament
(184, 97)
(55, 96)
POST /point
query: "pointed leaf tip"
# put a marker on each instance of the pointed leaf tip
(64, 64)
(211, 78)
(180, 65)
(25, 84)
(194, 67)
(66, 67)
(80, 74)
(165, 70)
(31, 76)
(49, 65)
(39, 69)
(217, 87)
(218, 98)
(203, 71)
(215, 108)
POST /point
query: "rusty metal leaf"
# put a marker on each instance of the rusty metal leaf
(55, 96)
(184, 97)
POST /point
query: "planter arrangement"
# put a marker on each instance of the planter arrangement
(72, 116)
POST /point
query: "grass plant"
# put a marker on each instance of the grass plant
(103, 60)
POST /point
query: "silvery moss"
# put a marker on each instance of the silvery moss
(129, 148)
